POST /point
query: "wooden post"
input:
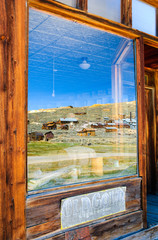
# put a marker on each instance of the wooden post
(141, 123)
(156, 21)
(126, 12)
(12, 118)
(82, 4)
(156, 99)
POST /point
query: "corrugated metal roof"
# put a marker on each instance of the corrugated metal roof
(68, 119)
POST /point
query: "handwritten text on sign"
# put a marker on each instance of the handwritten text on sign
(84, 208)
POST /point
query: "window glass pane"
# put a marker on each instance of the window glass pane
(71, 3)
(144, 17)
(105, 8)
(81, 101)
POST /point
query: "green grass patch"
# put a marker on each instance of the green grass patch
(47, 148)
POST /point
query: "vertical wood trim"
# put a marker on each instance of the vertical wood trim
(141, 122)
(126, 12)
(156, 112)
(13, 118)
(3, 120)
(82, 4)
(156, 21)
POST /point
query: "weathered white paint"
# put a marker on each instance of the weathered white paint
(84, 208)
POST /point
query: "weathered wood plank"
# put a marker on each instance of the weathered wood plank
(150, 233)
(114, 228)
(44, 211)
(141, 121)
(42, 229)
(13, 69)
(47, 212)
(132, 184)
(109, 229)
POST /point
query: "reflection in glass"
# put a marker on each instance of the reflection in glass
(144, 17)
(71, 3)
(105, 8)
(81, 101)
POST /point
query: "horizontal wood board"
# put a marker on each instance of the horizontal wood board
(105, 230)
(147, 234)
(95, 21)
(43, 211)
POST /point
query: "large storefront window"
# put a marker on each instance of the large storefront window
(82, 122)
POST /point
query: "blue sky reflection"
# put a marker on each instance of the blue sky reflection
(59, 44)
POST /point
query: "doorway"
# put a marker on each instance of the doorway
(151, 163)
(150, 131)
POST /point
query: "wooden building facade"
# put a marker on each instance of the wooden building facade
(37, 215)
(86, 132)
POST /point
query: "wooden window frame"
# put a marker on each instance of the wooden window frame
(74, 189)
(126, 10)
(154, 3)
(13, 105)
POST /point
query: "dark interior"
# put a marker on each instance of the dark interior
(151, 62)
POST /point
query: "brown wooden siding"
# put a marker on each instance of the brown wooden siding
(43, 212)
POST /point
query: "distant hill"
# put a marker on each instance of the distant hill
(94, 113)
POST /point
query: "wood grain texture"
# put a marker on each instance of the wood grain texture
(82, 5)
(116, 227)
(3, 117)
(105, 230)
(12, 118)
(148, 234)
(141, 121)
(43, 211)
(126, 12)
(152, 2)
